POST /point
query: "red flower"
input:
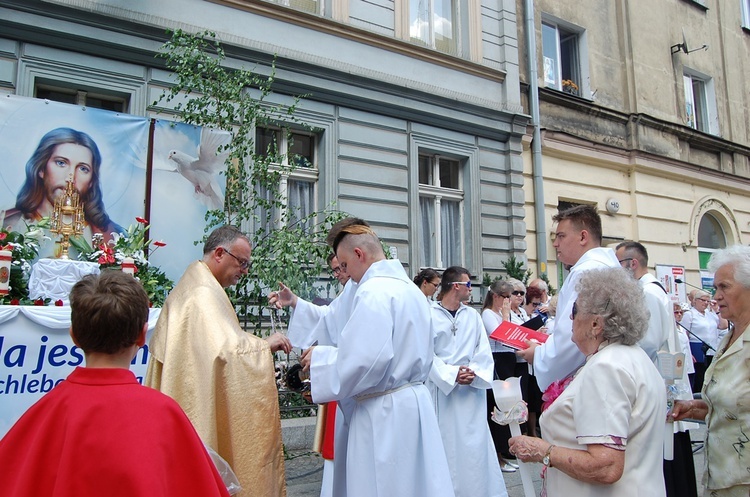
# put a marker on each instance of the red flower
(3, 236)
(59, 303)
(15, 302)
(39, 302)
(141, 220)
(108, 256)
(160, 244)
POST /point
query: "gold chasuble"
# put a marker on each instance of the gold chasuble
(222, 377)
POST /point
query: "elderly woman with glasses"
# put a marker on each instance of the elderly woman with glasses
(702, 326)
(603, 433)
(725, 403)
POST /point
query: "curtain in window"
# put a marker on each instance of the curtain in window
(266, 216)
(427, 231)
(450, 227)
(300, 202)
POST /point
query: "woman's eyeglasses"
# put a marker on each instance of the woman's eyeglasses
(574, 311)
(519, 293)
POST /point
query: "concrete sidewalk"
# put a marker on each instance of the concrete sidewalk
(304, 472)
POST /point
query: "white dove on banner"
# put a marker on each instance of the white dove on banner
(203, 171)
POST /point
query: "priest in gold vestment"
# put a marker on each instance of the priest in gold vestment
(222, 377)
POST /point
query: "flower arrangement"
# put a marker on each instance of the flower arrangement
(569, 86)
(25, 249)
(131, 244)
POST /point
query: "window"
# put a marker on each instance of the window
(81, 97)
(745, 5)
(297, 187)
(311, 6)
(700, 104)
(563, 51)
(441, 196)
(435, 24)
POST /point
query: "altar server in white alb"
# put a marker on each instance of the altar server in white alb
(460, 375)
(391, 446)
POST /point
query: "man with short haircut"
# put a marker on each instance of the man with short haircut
(222, 377)
(679, 473)
(462, 371)
(633, 258)
(390, 442)
(578, 240)
(100, 432)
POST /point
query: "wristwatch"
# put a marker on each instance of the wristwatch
(545, 459)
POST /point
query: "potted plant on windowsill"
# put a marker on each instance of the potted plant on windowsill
(569, 86)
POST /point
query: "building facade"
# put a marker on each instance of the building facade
(415, 105)
(645, 113)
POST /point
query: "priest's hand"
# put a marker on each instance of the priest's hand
(465, 375)
(528, 354)
(305, 359)
(277, 342)
(284, 297)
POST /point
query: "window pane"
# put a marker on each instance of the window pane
(56, 96)
(710, 233)
(569, 67)
(689, 105)
(300, 203)
(419, 22)
(450, 227)
(699, 100)
(425, 170)
(444, 26)
(549, 50)
(265, 141)
(427, 231)
(302, 150)
(266, 213)
(449, 174)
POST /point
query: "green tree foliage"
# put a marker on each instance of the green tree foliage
(515, 269)
(286, 246)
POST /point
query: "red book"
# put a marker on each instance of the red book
(515, 336)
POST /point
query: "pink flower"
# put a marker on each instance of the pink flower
(3, 236)
(553, 392)
(59, 303)
(141, 220)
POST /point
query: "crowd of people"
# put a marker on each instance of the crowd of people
(405, 368)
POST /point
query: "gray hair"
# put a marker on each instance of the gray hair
(222, 236)
(615, 296)
(736, 255)
(516, 283)
(498, 287)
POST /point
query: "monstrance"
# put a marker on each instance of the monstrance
(67, 217)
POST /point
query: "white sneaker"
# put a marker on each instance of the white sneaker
(507, 468)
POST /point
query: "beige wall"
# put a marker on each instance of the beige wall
(627, 139)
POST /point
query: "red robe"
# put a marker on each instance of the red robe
(100, 432)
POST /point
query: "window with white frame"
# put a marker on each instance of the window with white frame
(700, 103)
(311, 6)
(441, 198)
(69, 95)
(745, 6)
(296, 186)
(564, 57)
(436, 24)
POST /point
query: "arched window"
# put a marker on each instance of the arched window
(711, 237)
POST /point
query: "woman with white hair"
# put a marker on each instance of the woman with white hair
(603, 433)
(702, 327)
(725, 403)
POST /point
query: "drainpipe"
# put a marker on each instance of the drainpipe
(536, 140)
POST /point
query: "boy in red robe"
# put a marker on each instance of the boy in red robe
(100, 432)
